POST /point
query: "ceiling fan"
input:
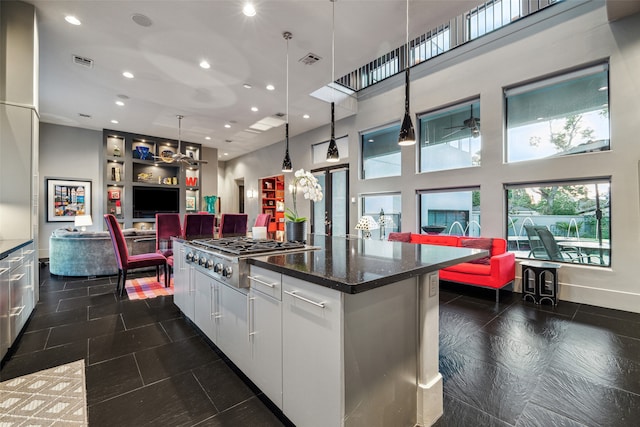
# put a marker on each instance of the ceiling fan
(169, 156)
(472, 123)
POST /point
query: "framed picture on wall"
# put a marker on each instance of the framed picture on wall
(67, 198)
(191, 203)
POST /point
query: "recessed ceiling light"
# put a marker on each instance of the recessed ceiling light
(246, 86)
(270, 87)
(128, 74)
(603, 88)
(204, 64)
(254, 109)
(225, 154)
(370, 140)
(115, 122)
(120, 103)
(208, 138)
(249, 10)
(306, 116)
(227, 125)
(72, 20)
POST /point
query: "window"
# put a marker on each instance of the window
(381, 153)
(386, 205)
(450, 138)
(454, 212)
(319, 151)
(574, 216)
(564, 115)
(491, 16)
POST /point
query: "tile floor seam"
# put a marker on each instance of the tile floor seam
(477, 409)
(135, 359)
(205, 393)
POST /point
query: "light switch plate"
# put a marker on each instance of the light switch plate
(433, 285)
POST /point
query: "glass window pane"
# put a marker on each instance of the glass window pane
(450, 138)
(454, 212)
(388, 206)
(381, 153)
(560, 116)
(339, 202)
(561, 222)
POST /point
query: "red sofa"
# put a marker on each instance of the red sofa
(496, 272)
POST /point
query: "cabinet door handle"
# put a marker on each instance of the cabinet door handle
(295, 295)
(16, 277)
(17, 311)
(249, 318)
(262, 282)
(3, 270)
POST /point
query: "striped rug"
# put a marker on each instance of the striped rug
(147, 287)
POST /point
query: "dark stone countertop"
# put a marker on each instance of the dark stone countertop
(354, 265)
(10, 245)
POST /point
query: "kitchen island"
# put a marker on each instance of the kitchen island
(343, 335)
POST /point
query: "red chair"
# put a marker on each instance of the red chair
(233, 225)
(128, 262)
(167, 226)
(200, 225)
(262, 220)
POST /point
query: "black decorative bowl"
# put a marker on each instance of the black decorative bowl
(433, 229)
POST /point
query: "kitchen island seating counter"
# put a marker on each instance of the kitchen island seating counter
(343, 335)
(354, 265)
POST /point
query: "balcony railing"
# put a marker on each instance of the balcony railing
(481, 20)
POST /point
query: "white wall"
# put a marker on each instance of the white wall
(69, 153)
(577, 36)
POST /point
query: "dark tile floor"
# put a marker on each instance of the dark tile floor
(506, 364)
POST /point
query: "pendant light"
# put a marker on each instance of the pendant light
(407, 133)
(286, 162)
(333, 155)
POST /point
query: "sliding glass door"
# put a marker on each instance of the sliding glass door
(331, 214)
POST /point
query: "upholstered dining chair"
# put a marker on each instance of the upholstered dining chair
(167, 226)
(199, 225)
(233, 225)
(262, 220)
(128, 262)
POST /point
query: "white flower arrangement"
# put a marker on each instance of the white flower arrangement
(311, 190)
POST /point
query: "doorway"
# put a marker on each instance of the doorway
(330, 216)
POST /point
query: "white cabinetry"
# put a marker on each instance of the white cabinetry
(265, 329)
(313, 392)
(183, 283)
(233, 327)
(205, 314)
(17, 294)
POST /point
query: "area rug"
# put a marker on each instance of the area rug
(147, 287)
(55, 396)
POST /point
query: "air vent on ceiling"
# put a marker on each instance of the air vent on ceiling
(85, 62)
(310, 58)
(279, 114)
(86, 116)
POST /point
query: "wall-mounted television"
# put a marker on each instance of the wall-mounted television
(147, 201)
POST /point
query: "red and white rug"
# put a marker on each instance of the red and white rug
(147, 287)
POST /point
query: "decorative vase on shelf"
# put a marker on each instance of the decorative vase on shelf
(211, 203)
(296, 231)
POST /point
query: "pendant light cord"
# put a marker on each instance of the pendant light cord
(406, 73)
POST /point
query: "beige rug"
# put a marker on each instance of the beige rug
(55, 396)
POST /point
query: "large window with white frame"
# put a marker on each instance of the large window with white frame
(564, 221)
(450, 138)
(559, 116)
(451, 211)
(380, 152)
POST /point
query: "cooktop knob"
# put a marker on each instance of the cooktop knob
(202, 261)
(209, 264)
(190, 256)
(227, 272)
(217, 268)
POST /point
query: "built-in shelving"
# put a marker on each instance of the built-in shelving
(272, 202)
(136, 161)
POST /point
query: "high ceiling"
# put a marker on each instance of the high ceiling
(164, 58)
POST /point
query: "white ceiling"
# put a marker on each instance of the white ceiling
(168, 80)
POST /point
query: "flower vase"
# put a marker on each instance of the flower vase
(296, 231)
(211, 203)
